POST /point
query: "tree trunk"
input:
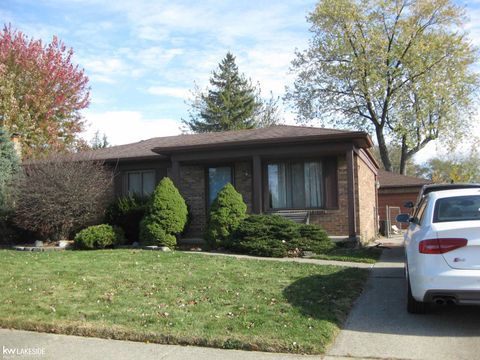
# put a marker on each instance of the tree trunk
(382, 147)
(404, 157)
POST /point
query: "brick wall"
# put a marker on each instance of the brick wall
(335, 222)
(366, 192)
(395, 197)
(192, 187)
(243, 182)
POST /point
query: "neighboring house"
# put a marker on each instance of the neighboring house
(396, 189)
(327, 175)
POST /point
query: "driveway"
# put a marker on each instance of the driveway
(380, 327)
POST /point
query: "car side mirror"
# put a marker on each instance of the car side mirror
(409, 204)
(403, 218)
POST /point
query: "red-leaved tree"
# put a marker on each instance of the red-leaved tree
(41, 93)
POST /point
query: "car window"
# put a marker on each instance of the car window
(458, 208)
(418, 216)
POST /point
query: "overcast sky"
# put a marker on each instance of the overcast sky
(143, 57)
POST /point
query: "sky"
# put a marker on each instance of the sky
(143, 57)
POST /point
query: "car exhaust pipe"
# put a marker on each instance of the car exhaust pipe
(451, 301)
(439, 301)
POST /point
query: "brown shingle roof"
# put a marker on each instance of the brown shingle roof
(273, 134)
(389, 179)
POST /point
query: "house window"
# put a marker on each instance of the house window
(295, 185)
(218, 177)
(140, 182)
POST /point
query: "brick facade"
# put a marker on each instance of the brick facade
(243, 182)
(192, 185)
(366, 196)
(193, 189)
(395, 197)
(335, 222)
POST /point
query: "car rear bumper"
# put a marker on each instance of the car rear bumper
(459, 297)
(463, 286)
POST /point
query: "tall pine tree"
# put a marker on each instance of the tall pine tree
(231, 103)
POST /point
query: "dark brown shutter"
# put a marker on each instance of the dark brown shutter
(331, 182)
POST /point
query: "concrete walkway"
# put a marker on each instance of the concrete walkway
(55, 347)
(380, 327)
(297, 260)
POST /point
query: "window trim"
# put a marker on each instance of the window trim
(303, 160)
(141, 171)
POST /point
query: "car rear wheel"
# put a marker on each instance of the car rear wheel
(414, 306)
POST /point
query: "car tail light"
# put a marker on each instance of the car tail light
(441, 246)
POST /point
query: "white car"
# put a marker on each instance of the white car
(442, 249)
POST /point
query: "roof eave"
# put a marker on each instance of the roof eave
(360, 138)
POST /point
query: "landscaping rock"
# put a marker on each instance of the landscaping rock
(157, 248)
(38, 243)
(65, 244)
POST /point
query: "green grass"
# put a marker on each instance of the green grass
(366, 255)
(178, 298)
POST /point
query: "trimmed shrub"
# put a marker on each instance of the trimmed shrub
(226, 213)
(165, 217)
(98, 237)
(9, 166)
(127, 212)
(276, 236)
(152, 233)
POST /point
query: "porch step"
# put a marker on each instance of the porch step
(301, 217)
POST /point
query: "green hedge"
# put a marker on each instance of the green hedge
(126, 212)
(226, 213)
(276, 236)
(99, 237)
(165, 217)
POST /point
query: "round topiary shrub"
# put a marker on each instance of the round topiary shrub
(98, 237)
(165, 217)
(276, 236)
(226, 213)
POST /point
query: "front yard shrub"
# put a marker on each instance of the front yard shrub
(165, 217)
(276, 236)
(226, 213)
(312, 238)
(61, 194)
(9, 165)
(98, 237)
(9, 234)
(126, 212)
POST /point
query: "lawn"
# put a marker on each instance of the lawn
(366, 255)
(178, 298)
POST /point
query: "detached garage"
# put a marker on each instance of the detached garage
(394, 191)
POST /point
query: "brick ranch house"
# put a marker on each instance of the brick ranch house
(329, 176)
